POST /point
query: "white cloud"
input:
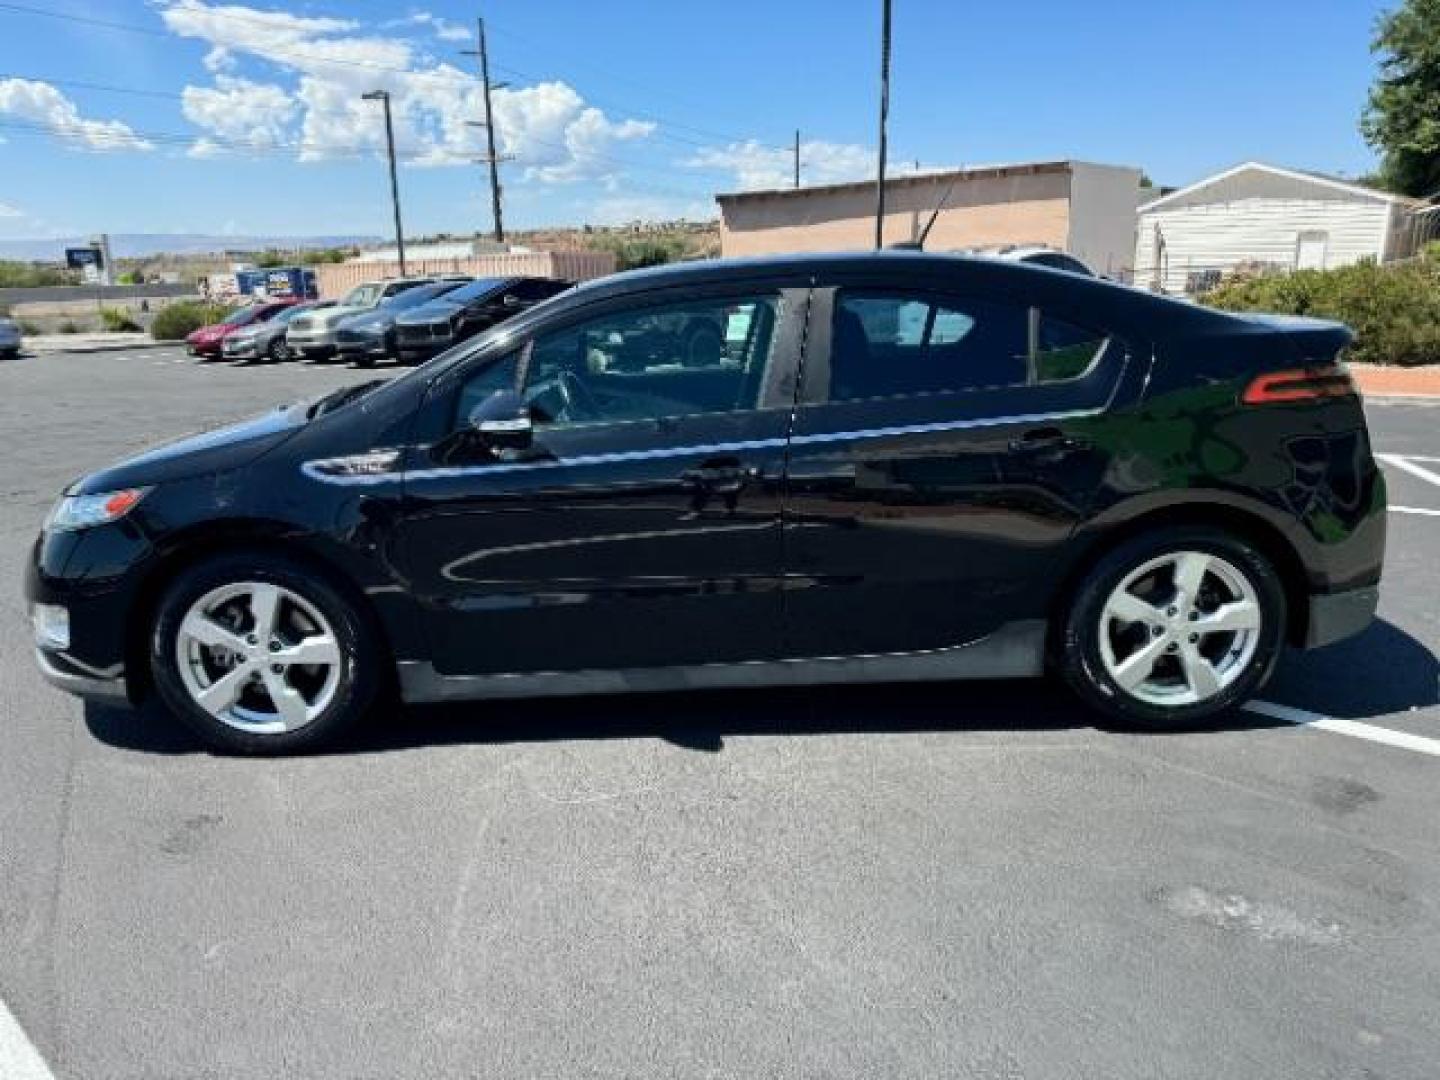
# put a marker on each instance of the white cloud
(237, 110)
(553, 134)
(42, 104)
(443, 29)
(8, 211)
(755, 166)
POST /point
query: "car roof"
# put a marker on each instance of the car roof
(1107, 302)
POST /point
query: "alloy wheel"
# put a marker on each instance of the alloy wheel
(1180, 629)
(258, 657)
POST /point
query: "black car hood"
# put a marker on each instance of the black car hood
(432, 311)
(218, 450)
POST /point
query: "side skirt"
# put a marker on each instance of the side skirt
(1015, 651)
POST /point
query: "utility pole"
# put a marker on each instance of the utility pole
(797, 157)
(491, 158)
(383, 96)
(884, 115)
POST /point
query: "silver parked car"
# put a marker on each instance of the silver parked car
(312, 336)
(266, 340)
(9, 338)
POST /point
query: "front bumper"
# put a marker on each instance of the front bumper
(9, 342)
(311, 342)
(358, 345)
(1339, 615)
(242, 350)
(68, 674)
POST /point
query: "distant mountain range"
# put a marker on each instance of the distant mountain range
(144, 245)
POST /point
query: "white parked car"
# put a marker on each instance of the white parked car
(9, 338)
(1039, 255)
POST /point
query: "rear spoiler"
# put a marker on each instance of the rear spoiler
(1314, 340)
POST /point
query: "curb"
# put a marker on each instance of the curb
(98, 347)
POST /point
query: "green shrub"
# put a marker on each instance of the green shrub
(29, 329)
(632, 254)
(69, 326)
(118, 320)
(1394, 310)
(174, 321)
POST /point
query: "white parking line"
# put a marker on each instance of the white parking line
(1354, 728)
(1407, 463)
(19, 1060)
(1414, 510)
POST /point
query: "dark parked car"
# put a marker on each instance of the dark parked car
(369, 337)
(457, 316)
(897, 467)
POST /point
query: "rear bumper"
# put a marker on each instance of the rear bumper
(1339, 615)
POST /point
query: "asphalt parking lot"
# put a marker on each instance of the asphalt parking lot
(962, 880)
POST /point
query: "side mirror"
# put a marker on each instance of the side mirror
(502, 422)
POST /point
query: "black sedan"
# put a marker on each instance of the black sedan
(896, 467)
(370, 337)
(431, 328)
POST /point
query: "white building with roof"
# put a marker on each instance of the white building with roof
(1263, 215)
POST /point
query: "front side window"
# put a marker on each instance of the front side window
(890, 345)
(681, 359)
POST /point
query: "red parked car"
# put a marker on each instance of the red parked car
(209, 341)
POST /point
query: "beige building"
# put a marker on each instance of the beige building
(1087, 210)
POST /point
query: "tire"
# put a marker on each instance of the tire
(277, 352)
(1191, 665)
(313, 621)
(364, 360)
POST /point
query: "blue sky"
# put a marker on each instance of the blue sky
(247, 118)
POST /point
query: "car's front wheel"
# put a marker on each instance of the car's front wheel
(260, 655)
(1174, 627)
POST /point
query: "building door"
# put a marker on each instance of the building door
(1310, 250)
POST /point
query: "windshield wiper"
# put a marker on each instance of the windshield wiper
(346, 394)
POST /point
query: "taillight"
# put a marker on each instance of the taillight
(1300, 384)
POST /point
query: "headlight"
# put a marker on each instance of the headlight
(83, 511)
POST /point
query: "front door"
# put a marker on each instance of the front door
(642, 527)
(940, 460)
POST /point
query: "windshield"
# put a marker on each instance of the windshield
(476, 289)
(244, 317)
(361, 296)
(420, 295)
(289, 313)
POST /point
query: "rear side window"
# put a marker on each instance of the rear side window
(895, 345)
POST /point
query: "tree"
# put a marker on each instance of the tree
(1402, 119)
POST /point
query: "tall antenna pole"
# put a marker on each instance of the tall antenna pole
(797, 157)
(383, 96)
(491, 158)
(884, 116)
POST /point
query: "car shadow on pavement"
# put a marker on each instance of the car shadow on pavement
(696, 720)
(1381, 671)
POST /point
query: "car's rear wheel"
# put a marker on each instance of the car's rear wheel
(277, 352)
(262, 656)
(1174, 627)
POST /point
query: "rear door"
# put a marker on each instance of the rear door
(943, 453)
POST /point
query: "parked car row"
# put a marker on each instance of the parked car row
(403, 319)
